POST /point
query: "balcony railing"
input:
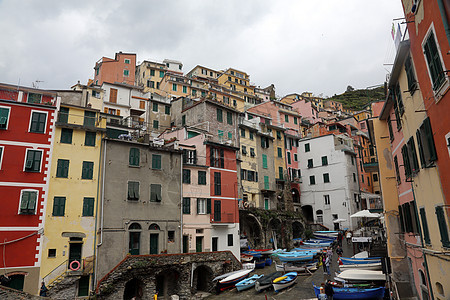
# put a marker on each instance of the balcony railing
(370, 166)
(222, 217)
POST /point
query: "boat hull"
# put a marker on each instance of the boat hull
(355, 293)
(266, 281)
(247, 283)
(294, 258)
(376, 266)
(291, 268)
(285, 283)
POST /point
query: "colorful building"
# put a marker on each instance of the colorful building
(27, 131)
(121, 69)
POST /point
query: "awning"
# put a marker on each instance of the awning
(365, 214)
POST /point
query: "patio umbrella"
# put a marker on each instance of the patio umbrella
(365, 214)
(339, 220)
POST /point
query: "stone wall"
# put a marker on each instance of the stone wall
(170, 274)
(12, 294)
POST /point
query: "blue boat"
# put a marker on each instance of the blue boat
(326, 234)
(268, 261)
(284, 281)
(260, 264)
(352, 261)
(247, 283)
(355, 293)
(313, 251)
(317, 243)
(255, 254)
(295, 256)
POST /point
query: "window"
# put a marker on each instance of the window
(4, 117)
(155, 124)
(88, 207)
(250, 135)
(375, 177)
(324, 161)
(327, 199)
(362, 178)
(167, 110)
(202, 177)
(186, 206)
(391, 132)
(135, 239)
(410, 74)
(264, 142)
(434, 62)
(183, 120)
(398, 104)
(38, 122)
(161, 74)
(88, 170)
(62, 169)
(156, 161)
(230, 240)
(51, 252)
(397, 170)
(266, 183)
(310, 163)
(201, 206)
(127, 61)
(134, 157)
(229, 118)
(155, 107)
(264, 161)
(280, 173)
(174, 87)
(312, 179)
(279, 135)
(63, 115)
(443, 228)
(28, 202)
(155, 193)
(33, 161)
(295, 157)
(1, 156)
(59, 205)
(425, 142)
(307, 148)
(353, 160)
(295, 121)
(244, 150)
(171, 236)
(186, 176)
(426, 232)
(133, 190)
(89, 119)
(113, 95)
(414, 164)
(289, 157)
(34, 98)
(66, 136)
(89, 139)
(279, 152)
(252, 152)
(150, 84)
(243, 133)
(219, 115)
(230, 135)
(217, 158)
(217, 184)
(184, 89)
(326, 177)
(286, 118)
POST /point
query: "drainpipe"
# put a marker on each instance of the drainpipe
(430, 288)
(102, 205)
(181, 206)
(100, 170)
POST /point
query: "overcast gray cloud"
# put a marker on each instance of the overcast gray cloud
(317, 46)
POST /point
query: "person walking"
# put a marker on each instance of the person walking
(329, 290)
(348, 236)
(339, 251)
(324, 258)
(43, 291)
(327, 264)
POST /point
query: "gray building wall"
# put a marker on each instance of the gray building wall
(119, 213)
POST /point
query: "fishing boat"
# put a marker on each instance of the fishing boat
(247, 283)
(255, 254)
(260, 264)
(313, 251)
(284, 281)
(361, 275)
(249, 266)
(326, 234)
(317, 244)
(359, 261)
(231, 280)
(277, 251)
(354, 293)
(304, 268)
(266, 281)
(295, 256)
(268, 261)
(246, 257)
(363, 254)
(263, 251)
(225, 275)
(371, 266)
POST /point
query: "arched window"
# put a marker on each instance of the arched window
(422, 278)
(153, 226)
(135, 239)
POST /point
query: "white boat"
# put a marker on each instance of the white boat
(265, 282)
(284, 281)
(307, 268)
(373, 266)
(248, 266)
(231, 280)
(247, 283)
(361, 275)
(326, 234)
(363, 254)
(225, 275)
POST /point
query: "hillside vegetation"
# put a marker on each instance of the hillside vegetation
(357, 99)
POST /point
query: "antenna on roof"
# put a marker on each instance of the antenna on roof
(36, 83)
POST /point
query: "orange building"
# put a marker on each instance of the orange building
(120, 69)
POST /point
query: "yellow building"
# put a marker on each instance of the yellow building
(149, 75)
(362, 115)
(238, 83)
(70, 226)
(279, 155)
(174, 85)
(249, 165)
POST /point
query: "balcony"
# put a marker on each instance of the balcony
(222, 218)
(66, 120)
(370, 166)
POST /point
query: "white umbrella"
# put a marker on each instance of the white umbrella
(365, 214)
(339, 220)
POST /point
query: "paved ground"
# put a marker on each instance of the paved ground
(303, 289)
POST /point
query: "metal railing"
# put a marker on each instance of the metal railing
(223, 218)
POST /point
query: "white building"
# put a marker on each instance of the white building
(329, 189)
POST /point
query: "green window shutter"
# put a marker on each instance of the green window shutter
(24, 201)
(295, 120)
(62, 169)
(174, 87)
(33, 161)
(155, 124)
(161, 74)
(87, 171)
(426, 232)
(88, 207)
(242, 132)
(264, 159)
(434, 62)
(186, 206)
(280, 152)
(220, 133)
(326, 177)
(32, 201)
(280, 172)
(66, 136)
(63, 115)
(406, 163)
(266, 182)
(286, 118)
(279, 135)
(89, 119)
(219, 115)
(324, 160)
(307, 148)
(410, 74)
(59, 204)
(443, 228)
(229, 118)
(155, 107)
(289, 157)
(38, 122)
(183, 120)
(202, 177)
(167, 110)
(430, 140)
(89, 139)
(155, 193)
(420, 146)
(208, 206)
(156, 161)
(152, 72)
(133, 190)
(230, 135)
(185, 89)
(186, 176)
(134, 158)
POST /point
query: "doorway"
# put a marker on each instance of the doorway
(154, 238)
(75, 247)
(199, 244)
(215, 243)
(185, 243)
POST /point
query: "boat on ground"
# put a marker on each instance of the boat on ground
(354, 293)
(248, 266)
(284, 281)
(266, 281)
(263, 251)
(260, 264)
(313, 251)
(372, 266)
(317, 244)
(363, 254)
(295, 256)
(277, 251)
(247, 283)
(359, 261)
(326, 234)
(246, 257)
(303, 268)
(231, 280)
(255, 254)
(361, 275)
(269, 261)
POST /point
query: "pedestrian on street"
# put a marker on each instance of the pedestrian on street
(324, 258)
(339, 251)
(329, 252)
(43, 291)
(348, 236)
(327, 264)
(339, 239)
(329, 290)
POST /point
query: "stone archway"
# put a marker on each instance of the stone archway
(274, 230)
(252, 229)
(297, 229)
(167, 283)
(202, 279)
(134, 288)
(308, 213)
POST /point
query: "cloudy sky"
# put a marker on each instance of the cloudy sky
(321, 46)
